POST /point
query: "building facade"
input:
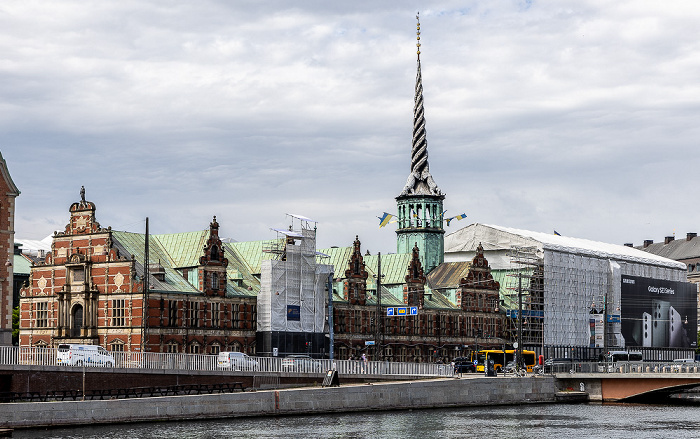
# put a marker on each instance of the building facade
(8, 193)
(90, 290)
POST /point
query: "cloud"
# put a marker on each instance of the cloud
(539, 114)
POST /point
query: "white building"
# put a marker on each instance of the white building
(582, 280)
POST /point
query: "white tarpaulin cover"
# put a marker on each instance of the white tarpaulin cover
(578, 274)
(292, 294)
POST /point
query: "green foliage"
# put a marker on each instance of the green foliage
(15, 326)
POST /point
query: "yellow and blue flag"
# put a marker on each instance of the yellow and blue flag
(384, 219)
(458, 217)
(557, 233)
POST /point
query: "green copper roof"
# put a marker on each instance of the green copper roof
(183, 249)
(394, 268)
(20, 265)
(133, 244)
(339, 258)
(250, 252)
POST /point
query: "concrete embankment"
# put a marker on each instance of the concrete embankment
(448, 392)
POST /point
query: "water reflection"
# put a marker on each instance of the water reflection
(541, 421)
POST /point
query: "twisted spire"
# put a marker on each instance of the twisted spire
(419, 182)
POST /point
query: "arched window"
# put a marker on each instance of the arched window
(77, 321)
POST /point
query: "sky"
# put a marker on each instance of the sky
(575, 116)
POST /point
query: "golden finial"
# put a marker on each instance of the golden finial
(418, 33)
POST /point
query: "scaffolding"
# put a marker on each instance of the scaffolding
(291, 295)
(525, 293)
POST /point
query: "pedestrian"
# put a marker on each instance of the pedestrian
(364, 363)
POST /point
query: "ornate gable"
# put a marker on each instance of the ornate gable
(213, 264)
(478, 291)
(414, 289)
(355, 285)
(82, 218)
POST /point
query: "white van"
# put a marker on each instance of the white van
(236, 361)
(83, 354)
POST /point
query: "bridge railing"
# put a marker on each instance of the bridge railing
(645, 367)
(13, 355)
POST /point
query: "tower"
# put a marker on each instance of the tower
(420, 203)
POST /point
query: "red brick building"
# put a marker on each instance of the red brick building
(440, 329)
(90, 290)
(8, 192)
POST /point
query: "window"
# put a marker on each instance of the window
(215, 321)
(118, 312)
(194, 314)
(215, 281)
(42, 314)
(172, 313)
(194, 348)
(172, 347)
(236, 315)
(215, 349)
(116, 346)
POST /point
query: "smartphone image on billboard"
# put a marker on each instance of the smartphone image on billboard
(675, 328)
(646, 330)
(659, 313)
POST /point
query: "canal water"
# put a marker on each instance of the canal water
(567, 421)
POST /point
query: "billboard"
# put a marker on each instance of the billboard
(658, 313)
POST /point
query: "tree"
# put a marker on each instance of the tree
(15, 325)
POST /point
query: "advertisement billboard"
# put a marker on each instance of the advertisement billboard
(658, 313)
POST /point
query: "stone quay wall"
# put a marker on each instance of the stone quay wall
(437, 393)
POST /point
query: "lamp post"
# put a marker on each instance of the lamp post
(519, 348)
(330, 316)
(378, 324)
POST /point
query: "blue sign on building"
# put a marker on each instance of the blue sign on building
(293, 312)
(414, 310)
(390, 311)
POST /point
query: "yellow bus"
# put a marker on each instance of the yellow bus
(501, 358)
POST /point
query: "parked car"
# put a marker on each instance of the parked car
(236, 361)
(83, 355)
(464, 365)
(301, 363)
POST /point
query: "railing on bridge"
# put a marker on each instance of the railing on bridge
(645, 367)
(13, 355)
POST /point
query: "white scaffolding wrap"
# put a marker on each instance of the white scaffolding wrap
(581, 277)
(292, 294)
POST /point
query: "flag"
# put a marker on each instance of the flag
(458, 217)
(557, 233)
(415, 215)
(384, 219)
(442, 215)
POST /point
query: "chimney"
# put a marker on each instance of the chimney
(629, 244)
(648, 242)
(690, 236)
(668, 239)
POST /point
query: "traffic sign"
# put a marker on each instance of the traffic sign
(390, 311)
(414, 310)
